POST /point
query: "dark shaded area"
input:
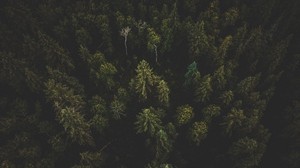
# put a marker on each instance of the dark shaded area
(204, 83)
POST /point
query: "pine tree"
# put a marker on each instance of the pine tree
(204, 89)
(163, 92)
(144, 79)
(234, 119)
(198, 132)
(68, 105)
(210, 112)
(148, 122)
(184, 114)
(246, 152)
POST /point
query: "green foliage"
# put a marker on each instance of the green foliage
(192, 75)
(247, 85)
(75, 125)
(184, 114)
(57, 143)
(33, 80)
(69, 96)
(163, 140)
(198, 132)
(226, 97)
(210, 112)
(9, 66)
(231, 16)
(100, 70)
(167, 36)
(163, 92)
(56, 56)
(122, 95)
(163, 145)
(218, 78)
(98, 113)
(148, 122)
(223, 50)
(144, 79)
(153, 41)
(204, 89)
(234, 119)
(117, 109)
(68, 106)
(198, 40)
(61, 95)
(97, 105)
(90, 159)
(246, 153)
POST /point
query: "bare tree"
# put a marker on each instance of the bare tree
(124, 33)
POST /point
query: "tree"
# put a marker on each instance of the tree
(184, 114)
(124, 33)
(117, 108)
(210, 112)
(144, 79)
(153, 42)
(246, 152)
(218, 78)
(68, 105)
(199, 42)
(247, 85)
(204, 89)
(234, 119)
(198, 132)
(226, 97)
(100, 69)
(148, 122)
(192, 75)
(163, 92)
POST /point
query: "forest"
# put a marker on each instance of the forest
(149, 84)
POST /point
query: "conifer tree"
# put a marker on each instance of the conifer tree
(184, 114)
(163, 92)
(204, 89)
(144, 79)
(198, 132)
(148, 122)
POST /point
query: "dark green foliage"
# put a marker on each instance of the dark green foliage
(163, 92)
(198, 132)
(246, 152)
(204, 89)
(210, 112)
(101, 71)
(226, 97)
(234, 119)
(68, 105)
(155, 84)
(148, 122)
(144, 80)
(184, 114)
(192, 75)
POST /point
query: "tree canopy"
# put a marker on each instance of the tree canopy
(156, 84)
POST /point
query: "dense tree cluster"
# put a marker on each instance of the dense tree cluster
(156, 84)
